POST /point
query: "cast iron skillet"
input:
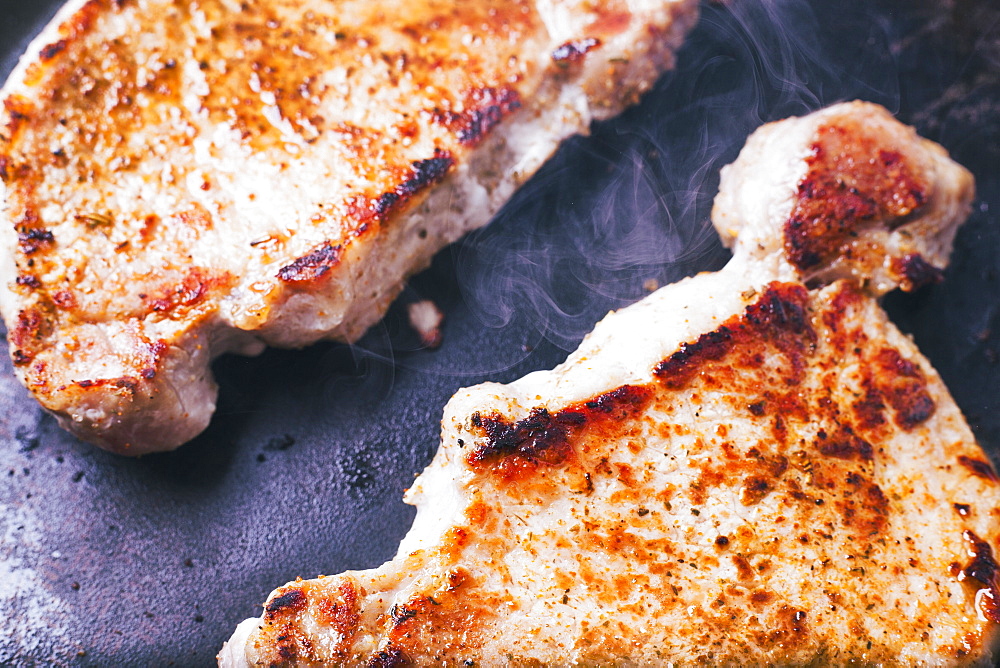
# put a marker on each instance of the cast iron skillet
(112, 561)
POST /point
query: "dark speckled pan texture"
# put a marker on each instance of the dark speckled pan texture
(152, 562)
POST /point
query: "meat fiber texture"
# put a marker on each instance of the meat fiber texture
(749, 467)
(184, 179)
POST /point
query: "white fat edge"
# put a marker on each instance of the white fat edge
(626, 345)
(440, 492)
(233, 653)
(744, 216)
(440, 500)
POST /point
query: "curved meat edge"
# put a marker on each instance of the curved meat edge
(737, 470)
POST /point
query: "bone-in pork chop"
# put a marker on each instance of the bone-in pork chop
(186, 178)
(751, 467)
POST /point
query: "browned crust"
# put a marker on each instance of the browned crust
(764, 352)
(913, 272)
(983, 572)
(515, 449)
(309, 269)
(763, 359)
(312, 266)
(979, 468)
(484, 109)
(389, 658)
(177, 299)
(852, 182)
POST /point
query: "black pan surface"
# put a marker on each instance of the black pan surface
(111, 561)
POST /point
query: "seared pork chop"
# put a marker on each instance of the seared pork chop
(751, 467)
(186, 178)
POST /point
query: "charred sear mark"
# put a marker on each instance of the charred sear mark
(292, 600)
(426, 173)
(781, 309)
(984, 570)
(543, 438)
(312, 266)
(423, 174)
(904, 388)
(539, 438)
(28, 334)
(28, 281)
(915, 272)
(18, 113)
(50, 51)
(778, 317)
(484, 109)
(620, 402)
(125, 383)
(400, 614)
(864, 507)
(390, 657)
(844, 445)
(341, 612)
(851, 183)
(32, 240)
(754, 489)
(176, 299)
(574, 50)
(677, 369)
(869, 408)
(979, 468)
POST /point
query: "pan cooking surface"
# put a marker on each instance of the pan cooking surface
(112, 561)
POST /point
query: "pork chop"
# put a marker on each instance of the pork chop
(186, 178)
(751, 467)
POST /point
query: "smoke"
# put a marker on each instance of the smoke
(614, 214)
(628, 207)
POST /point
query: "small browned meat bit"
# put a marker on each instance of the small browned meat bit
(426, 320)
